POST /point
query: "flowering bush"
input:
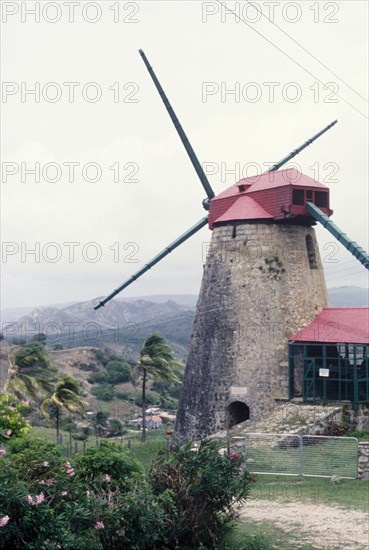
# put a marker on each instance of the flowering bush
(12, 423)
(102, 500)
(46, 501)
(205, 487)
(124, 469)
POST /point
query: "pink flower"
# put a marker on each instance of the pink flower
(40, 499)
(64, 493)
(68, 465)
(42, 482)
(4, 520)
(8, 432)
(70, 472)
(106, 478)
(233, 456)
(2, 452)
(99, 525)
(45, 463)
(49, 482)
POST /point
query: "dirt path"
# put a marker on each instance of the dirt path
(319, 524)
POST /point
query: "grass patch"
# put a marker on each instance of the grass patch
(266, 536)
(156, 440)
(350, 493)
(146, 452)
(361, 435)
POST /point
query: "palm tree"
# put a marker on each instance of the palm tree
(30, 375)
(67, 395)
(156, 360)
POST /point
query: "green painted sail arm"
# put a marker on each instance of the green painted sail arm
(194, 229)
(295, 152)
(352, 246)
(186, 143)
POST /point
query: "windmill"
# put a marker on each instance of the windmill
(263, 281)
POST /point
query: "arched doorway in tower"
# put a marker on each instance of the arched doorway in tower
(237, 412)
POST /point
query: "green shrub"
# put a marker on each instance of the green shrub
(109, 458)
(67, 424)
(362, 435)
(102, 356)
(103, 500)
(98, 378)
(58, 347)
(118, 372)
(12, 423)
(151, 398)
(104, 392)
(169, 403)
(205, 487)
(52, 504)
(116, 427)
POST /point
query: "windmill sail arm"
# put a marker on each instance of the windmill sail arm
(172, 246)
(186, 143)
(352, 246)
(295, 152)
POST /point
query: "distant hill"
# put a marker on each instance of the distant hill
(189, 300)
(348, 296)
(121, 324)
(13, 314)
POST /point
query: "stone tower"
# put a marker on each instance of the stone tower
(263, 281)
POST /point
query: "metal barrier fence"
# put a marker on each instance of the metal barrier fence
(307, 455)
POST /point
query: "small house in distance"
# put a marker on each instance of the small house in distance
(329, 358)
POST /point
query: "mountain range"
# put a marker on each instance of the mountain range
(124, 324)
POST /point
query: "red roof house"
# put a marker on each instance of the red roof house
(329, 359)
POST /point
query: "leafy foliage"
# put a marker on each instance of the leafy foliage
(118, 372)
(58, 347)
(156, 360)
(12, 423)
(124, 469)
(116, 427)
(105, 501)
(205, 487)
(97, 378)
(104, 392)
(66, 395)
(30, 374)
(102, 356)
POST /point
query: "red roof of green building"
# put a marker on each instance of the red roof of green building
(338, 325)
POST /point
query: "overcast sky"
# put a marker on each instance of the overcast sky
(95, 115)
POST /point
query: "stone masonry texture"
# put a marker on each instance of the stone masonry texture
(257, 290)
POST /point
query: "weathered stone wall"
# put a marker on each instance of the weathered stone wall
(363, 460)
(360, 417)
(257, 290)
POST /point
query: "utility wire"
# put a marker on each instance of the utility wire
(289, 57)
(309, 53)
